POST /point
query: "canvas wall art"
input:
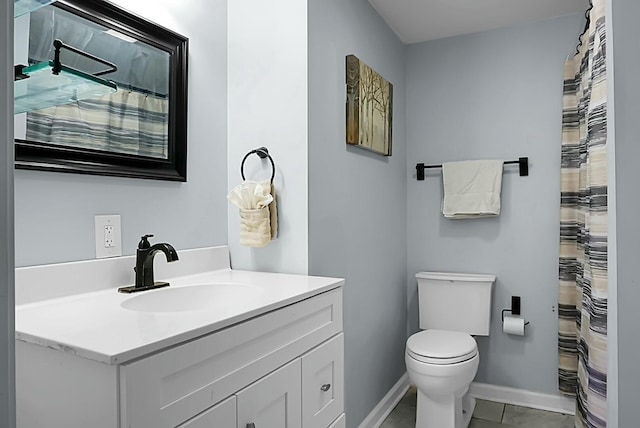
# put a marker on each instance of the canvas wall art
(369, 108)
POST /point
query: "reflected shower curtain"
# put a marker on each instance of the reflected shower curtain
(122, 122)
(583, 227)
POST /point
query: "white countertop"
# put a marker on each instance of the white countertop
(95, 326)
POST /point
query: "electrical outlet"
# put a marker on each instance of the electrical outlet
(108, 236)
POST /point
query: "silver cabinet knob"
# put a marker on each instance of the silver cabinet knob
(325, 387)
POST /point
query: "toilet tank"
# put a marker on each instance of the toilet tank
(455, 301)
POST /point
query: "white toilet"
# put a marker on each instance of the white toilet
(442, 360)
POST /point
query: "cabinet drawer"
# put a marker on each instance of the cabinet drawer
(341, 422)
(168, 388)
(323, 383)
(222, 415)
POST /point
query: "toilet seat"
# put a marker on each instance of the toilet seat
(440, 347)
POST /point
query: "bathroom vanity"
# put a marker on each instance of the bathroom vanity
(219, 348)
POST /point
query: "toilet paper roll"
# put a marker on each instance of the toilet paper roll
(513, 325)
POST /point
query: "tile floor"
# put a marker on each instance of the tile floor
(487, 414)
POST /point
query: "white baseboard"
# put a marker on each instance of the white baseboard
(521, 397)
(484, 391)
(386, 405)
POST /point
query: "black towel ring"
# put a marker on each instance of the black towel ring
(263, 152)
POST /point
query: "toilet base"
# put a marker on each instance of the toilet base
(468, 406)
(444, 411)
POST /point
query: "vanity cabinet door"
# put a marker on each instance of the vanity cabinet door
(339, 423)
(273, 401)
(222, 415)
(323, 383)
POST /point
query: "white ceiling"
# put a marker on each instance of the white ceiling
(420, 20)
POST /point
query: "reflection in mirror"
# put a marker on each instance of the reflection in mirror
(137, 131)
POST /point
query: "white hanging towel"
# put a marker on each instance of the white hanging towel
(255, 228)
(472, 189)
(253, 200)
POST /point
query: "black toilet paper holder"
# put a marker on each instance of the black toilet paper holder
(515, 308)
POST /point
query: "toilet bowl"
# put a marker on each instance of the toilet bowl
(442, 365)
(442, 359)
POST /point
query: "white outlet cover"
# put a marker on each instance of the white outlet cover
(101, 222)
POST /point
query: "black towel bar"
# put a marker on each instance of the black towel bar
(523, 164)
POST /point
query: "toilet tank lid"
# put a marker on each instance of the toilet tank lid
(446, 276)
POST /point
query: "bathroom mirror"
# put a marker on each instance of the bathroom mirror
(140, 130)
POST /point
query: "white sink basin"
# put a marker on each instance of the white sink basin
(201, 297)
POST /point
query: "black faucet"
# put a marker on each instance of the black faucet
(144, 265)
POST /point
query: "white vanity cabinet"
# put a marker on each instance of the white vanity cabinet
(281, 369)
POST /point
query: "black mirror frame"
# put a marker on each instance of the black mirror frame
(50, 157)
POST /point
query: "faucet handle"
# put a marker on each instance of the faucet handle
(144, 244)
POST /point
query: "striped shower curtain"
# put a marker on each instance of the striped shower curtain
(125, 121)
(583, 227)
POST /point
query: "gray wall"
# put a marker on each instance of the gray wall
(54, 212)
(7, 376)
(626, 62)
(357, 200)
(494, 95)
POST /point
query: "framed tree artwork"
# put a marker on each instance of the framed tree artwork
(369, 108)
